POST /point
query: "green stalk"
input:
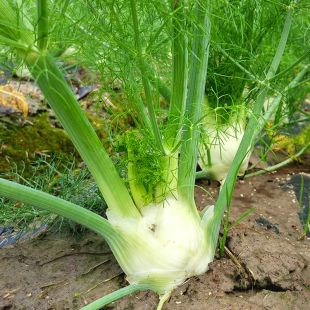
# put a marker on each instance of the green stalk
(274, 106)
(42, 25)
(145, 80)
(160, 29)
(299, 84)
(277, 58)
(233, 171)
(191, 136)
(202, 175)
(223, 241)
(101, 302)
(142, 112)
(138, 191)
(164, 90)
(179, 76)
(248, 135)
(56, 205)
(53, 85)
(306, 225)
(163, 298)
(11, 26)
(279, 75)
(277, 166)
(169, 166)
(26, 195)
(16, 44)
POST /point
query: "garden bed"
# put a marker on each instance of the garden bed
(267, 267)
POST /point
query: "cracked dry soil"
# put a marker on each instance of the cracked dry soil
(268, 271)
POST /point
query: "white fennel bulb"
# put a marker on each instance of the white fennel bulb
(164, 249)
(217, 154)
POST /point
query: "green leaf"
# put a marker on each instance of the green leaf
(242, 217)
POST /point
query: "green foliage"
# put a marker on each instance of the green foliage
(177, 231)
(133, 147)
(20, 147)
(248, 31)
(72, 184)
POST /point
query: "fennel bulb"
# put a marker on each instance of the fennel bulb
(166, 247)
(217, 154)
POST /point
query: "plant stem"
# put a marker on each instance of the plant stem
(283, 163)
(56, 205)
(142, 112)
(16, 44)
(163, 299)
(223, 241)
(198, 72)
(201, 175)
(101, 302)
(12, 27)
(248, 135)
(42, 25)
(277, 58)
(274, 106)
(179, 77)
(306, 226)
(145, 80)
(169, 166)
(279, 75)
(53, 85)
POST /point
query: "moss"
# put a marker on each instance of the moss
(22, 146)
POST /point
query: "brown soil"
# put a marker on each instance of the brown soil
(265, 270)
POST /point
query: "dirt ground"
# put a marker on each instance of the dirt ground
(267, 267)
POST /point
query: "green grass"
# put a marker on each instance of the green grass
(73, 184)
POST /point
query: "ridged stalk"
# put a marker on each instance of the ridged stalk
(59, 96)
(250, 130)
(191, 136)
(177, 106)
